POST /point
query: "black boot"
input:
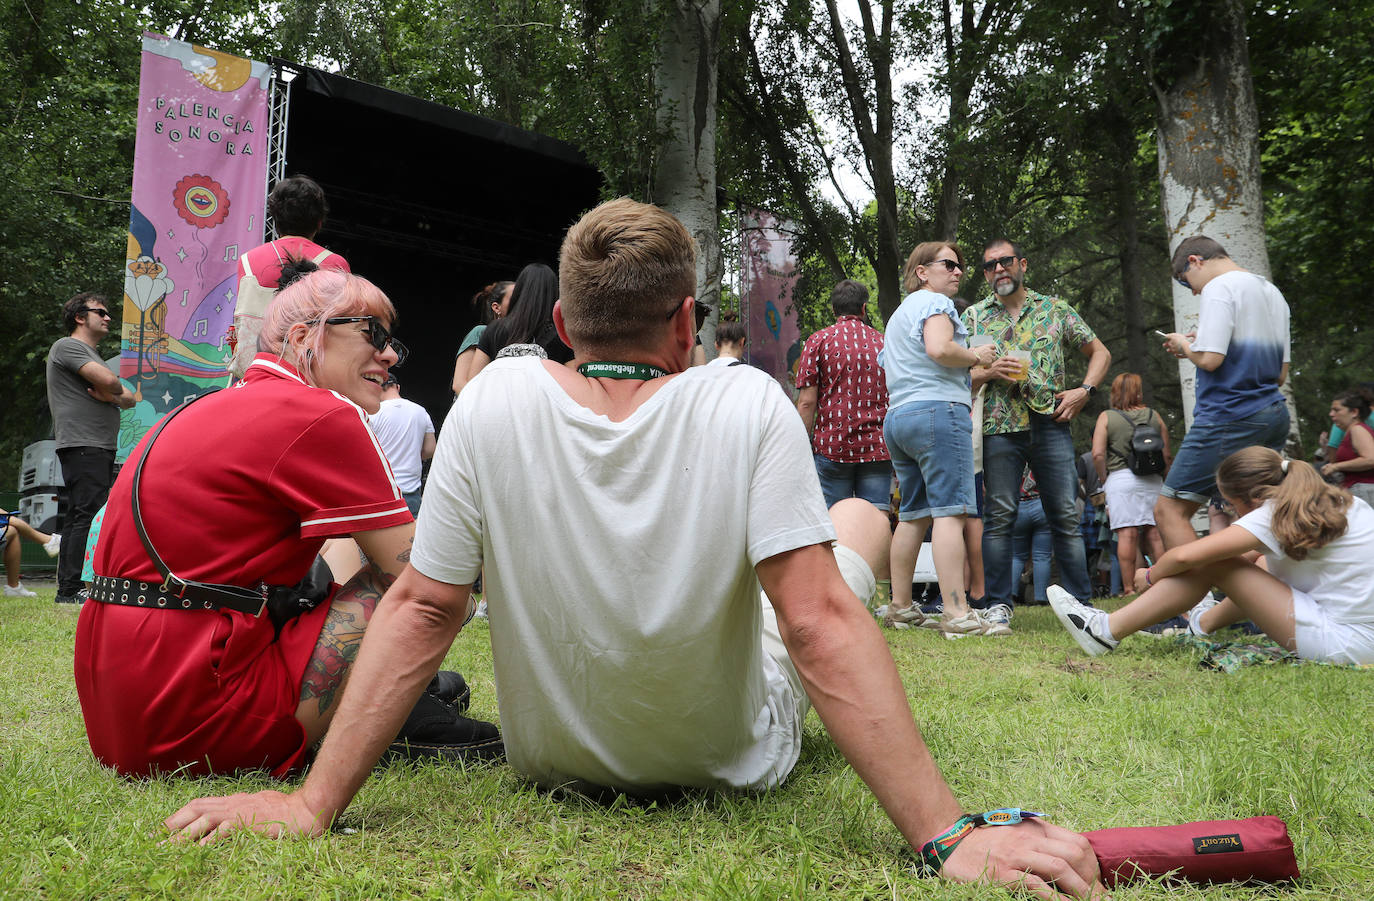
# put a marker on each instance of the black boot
(436, 730)
(451, 688)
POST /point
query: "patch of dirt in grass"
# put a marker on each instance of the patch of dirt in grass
(1079, 666)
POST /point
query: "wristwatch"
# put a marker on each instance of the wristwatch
(1091, 389)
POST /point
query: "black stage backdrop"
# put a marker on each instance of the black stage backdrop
(431, 203)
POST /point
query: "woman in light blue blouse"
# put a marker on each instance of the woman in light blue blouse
(929, 432)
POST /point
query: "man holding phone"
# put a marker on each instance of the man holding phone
(1027, 407)
(1241, 351)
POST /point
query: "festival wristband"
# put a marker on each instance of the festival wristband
(935, 852)
(1148, 580)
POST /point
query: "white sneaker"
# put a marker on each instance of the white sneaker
(1208, 601)
(53, 545)
(18, 591)
(998, 618)
(1086, 624)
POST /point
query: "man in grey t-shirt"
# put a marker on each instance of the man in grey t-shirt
(85, 398)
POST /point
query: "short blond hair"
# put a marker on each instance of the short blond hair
(622, 270)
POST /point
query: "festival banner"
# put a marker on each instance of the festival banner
(199, 192)
(768, 276)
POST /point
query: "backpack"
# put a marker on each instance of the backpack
(1145, 454)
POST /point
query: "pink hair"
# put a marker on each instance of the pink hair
(313, 298)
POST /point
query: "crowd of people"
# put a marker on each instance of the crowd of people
(585, 473)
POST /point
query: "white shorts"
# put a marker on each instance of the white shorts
(857, 575)
(1131, 498)
(1319, 638)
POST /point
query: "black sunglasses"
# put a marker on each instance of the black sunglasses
(103, 314)
(376, 333)
(1004, 262)
(950, 265)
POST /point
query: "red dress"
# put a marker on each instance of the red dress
(243, 487)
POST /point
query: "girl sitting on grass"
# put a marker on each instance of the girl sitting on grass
(1316, 599)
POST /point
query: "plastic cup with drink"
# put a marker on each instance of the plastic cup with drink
(979, 341)
(1023, 359)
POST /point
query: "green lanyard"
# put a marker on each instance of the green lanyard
(611, 370)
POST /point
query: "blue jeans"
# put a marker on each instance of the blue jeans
(412, 499)
(931, 443)
(870, 481)
(1193, 475)
(1031, 538)
(1048, 448)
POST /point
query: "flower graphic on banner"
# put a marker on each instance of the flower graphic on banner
(201, 201)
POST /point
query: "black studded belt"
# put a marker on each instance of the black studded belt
(162, 596)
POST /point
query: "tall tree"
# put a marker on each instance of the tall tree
(685, 174)
(1208, 133)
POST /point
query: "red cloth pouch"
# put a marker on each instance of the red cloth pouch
(1257, 849)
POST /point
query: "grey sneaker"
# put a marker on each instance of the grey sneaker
(1084, 623)
(18, 591)
(972, 623)
(53, 545)
(1209, 600)
(904, 617)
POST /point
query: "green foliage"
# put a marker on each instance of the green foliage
(1317, 145)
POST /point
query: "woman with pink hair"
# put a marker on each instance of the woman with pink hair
(206, 647)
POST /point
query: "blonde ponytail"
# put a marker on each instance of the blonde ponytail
(1307, 513)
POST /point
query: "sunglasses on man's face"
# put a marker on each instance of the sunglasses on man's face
(377, 335)
(103, 314)
(1004, 262)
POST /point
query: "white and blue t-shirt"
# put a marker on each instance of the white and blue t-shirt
(911, 373)
(1245, 318)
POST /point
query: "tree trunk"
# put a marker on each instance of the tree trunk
(685, 175)
(1128, 236)
(873, 127)
(1209, 169)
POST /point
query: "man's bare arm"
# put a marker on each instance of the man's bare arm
(852, 682)
(807, 399)
(105, 386)
(409, 635)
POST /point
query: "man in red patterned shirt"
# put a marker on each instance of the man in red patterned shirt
(843, 401)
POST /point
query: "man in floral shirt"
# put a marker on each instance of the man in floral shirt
(1026, 418)
(843, 400)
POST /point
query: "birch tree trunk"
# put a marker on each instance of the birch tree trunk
(685, 175)
(1209, 158)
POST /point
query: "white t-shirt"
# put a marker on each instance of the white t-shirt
(619, 571)
(401, 426)
(1246, 318)
(1340, 576)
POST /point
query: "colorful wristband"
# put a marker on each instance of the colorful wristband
(1148, 580)
(935, 852)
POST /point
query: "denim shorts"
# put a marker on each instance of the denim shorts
(931, 443)
(1193, 475)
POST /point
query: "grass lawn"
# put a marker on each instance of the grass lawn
(1142, 737)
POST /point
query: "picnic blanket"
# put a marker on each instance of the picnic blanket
(1227, 656)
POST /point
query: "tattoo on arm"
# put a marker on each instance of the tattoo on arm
(337, 648)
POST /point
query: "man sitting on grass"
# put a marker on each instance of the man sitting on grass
(625, 520)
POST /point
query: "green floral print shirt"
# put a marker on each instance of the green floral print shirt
(1045, 327)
